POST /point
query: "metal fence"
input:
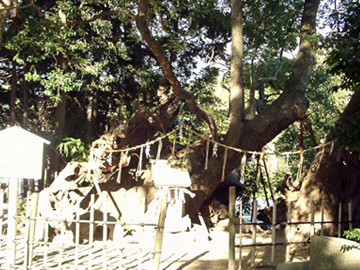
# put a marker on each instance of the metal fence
(288, 230)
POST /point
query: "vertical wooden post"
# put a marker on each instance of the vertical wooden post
(232, 198)
(77, 233)
(288, 237)
(91, 230)
(121, 246)
(141, 241)
(34, 208)
(61, 251)
(254, 221)
(105, 233)
(322, 216)
(46, 243)
(350, 216)
(312, 219)
(160, 230)
(12, 222)
(1, 210)
(27, 235)
(273, 233)
(339, 220)
(240, 232)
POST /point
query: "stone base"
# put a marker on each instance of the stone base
(293, 266)
(330, 253)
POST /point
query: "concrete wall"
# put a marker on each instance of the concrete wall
(330, 253)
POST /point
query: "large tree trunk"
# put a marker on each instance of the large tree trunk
(60, 116)
(251, 135)
(4, 14)
(237, 92)
(333, 177)
(91, 114)
(254, 134)
(13, 94)
(25, 119)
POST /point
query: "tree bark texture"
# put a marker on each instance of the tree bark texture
(251, 135)
(291, 106)
(333, 177)
(237, 93)
(91, 114)
(25, 118)
(13, 94)
(60, 116)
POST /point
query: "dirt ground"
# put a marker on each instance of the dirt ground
(193, 250)
(185, 250)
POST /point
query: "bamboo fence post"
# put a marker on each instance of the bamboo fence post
(12, 222)
(268, 179)
(339, 220)
(240, 232)
(232, 198)
(34, 208)
(312, 219)
(1, 211)
(91, 230)
(254, 221)
(322, 217)
(141, 241)
(27, 235)
(105, 234)
(46, 243)
(77, 233)
(121, 247)
(350, 215)
(288, 238)
(273, 232)
(160, 230)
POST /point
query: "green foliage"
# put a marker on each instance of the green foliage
(353, 234)
(323, 112)
(204, 86)
(343, 44)
(73, 149)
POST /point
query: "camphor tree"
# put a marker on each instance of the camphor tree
(177, 33)
(253, 134)
(116, 53)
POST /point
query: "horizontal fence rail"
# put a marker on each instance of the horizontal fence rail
(108, 244)
(272, 241)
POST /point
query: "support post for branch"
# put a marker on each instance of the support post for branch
(240, 232)
(288, 234)
(254, 228)
(232, 198)
(273, 247)
(160, 231)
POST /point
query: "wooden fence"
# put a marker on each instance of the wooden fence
(97, 251)
(273, 241)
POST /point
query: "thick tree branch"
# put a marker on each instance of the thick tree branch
(32, 5)
(167, 69)
(291, 106)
